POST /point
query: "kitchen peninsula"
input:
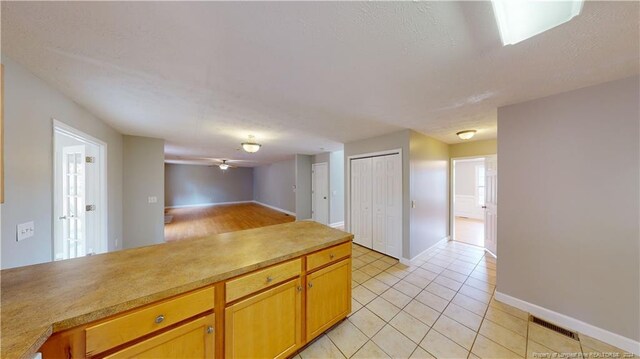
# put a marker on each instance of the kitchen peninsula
(262, 292)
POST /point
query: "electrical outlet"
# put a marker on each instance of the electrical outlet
(25, 230)
(153, 199)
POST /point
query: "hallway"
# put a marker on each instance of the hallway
(442, 306)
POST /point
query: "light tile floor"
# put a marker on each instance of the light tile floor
(442, 306)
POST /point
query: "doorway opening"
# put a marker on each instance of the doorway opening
(80, 193)
(469, 197)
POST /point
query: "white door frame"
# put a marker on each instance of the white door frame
(64, 129)
(313, 197)
(347, 212)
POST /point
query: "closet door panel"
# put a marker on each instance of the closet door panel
(393, 208)
(379, 181)
(361, 198)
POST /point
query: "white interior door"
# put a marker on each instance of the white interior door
(320, 193)
(73, 219)
(361, 207)
(79, 195)
(387, 205)
(491, 204)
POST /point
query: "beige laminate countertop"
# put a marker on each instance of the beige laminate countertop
(42, 299)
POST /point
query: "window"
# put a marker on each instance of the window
(480, 186)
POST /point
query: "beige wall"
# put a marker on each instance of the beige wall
(568, 209)
(143, 178)
(474, 148)
(425, 166)
(273, 185)
(195, 184)
(429, 188)
(30, 106)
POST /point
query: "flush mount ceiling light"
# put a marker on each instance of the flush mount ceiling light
(251, 147)
(519, 20)
(224, 165)
(467, 134)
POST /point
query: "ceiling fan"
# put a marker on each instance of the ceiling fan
(225, 166)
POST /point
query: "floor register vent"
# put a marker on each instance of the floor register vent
(555, 328)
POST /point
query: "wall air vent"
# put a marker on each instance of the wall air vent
(555, 328)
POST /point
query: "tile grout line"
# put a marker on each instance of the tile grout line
(457, 257)
(431, 327)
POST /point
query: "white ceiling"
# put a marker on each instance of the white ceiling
(302, 76)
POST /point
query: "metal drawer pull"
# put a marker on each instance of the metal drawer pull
(269, 279)
(299, 288)
(209, 329)
(159, 319)
(331, 256)
(310, 285)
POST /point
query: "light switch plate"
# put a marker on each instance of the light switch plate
(153, 199)
(25, 230)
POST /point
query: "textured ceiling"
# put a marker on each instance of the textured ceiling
(304, 77)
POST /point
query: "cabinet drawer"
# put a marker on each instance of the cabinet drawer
(194, 339)
(238, 288)
(328, 255)
(124, 328)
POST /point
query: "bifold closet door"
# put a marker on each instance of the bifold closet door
(361, 207)
(387, 205)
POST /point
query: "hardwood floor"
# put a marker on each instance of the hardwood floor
(470, 231)
(205, 221)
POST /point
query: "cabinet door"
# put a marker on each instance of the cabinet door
(266, 325)
(328, 297)
(194, 339)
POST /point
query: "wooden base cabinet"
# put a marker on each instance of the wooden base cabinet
(328, 297)
(266, 325)
(194, 340)
(268, 313)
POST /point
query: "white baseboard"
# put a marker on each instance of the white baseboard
(274, 207)
(407, 261)
(606, 336)
(337, 224)
(491, 253)
(206, 204)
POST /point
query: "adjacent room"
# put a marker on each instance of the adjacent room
(469, 194)
(416, 179)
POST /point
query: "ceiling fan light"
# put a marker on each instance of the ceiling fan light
(251, 147)
(467, 134)
(224, 166)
